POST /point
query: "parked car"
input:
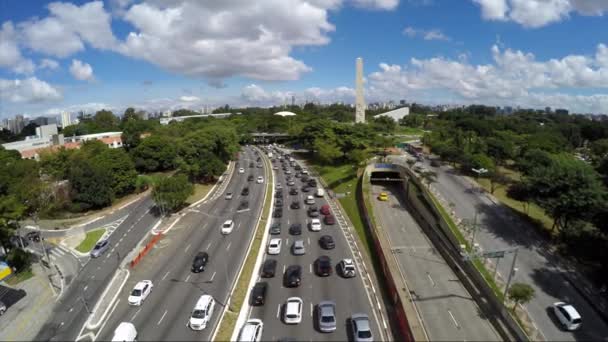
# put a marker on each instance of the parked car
(227, 227)
(140, 292)
(325, 210)
(326, 315)
(293, 310)
(295, 204)
(274, 247)
(315, 225)
(275, 229)
(251, 331)
(199, 262)
(295, 229)
(268, 268)
(228, 196)
(313, 211)
(323, 266)
(292, 276)
(383, 196)
(202, 313)
(100, 248)
(567, 316)
(258, 293)
(327, 242)
(329, 220)
(347, 268)
(361, 328)
(245, 191)
(298, 247)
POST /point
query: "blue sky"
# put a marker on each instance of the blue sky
(161, 54)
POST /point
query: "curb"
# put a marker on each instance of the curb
(93, 326)
(218, 182)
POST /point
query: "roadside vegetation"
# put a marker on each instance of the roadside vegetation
(90, 240)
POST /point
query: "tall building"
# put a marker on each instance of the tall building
(66, 119)
(360, 101)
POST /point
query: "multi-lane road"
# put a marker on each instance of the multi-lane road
(349, 294)
(164, 314)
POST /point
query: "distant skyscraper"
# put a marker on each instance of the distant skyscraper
(66, 119)
(360, 101)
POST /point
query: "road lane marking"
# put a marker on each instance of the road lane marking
(166, 274)
(161, 319)
(72, 308)
(229, 244)
(238, 226)
(310, 268)
(284, 268)
(308, 241)
(187, 248)
(431, 279)
(208, 245)
(311, 309)
(135, 315)
(86, 287)
(213, 276)
(187, 278)
(278, 310)
(454, 319)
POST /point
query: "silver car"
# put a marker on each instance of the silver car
(100, 248)
(326, 313)
(298, 248)
(2, 308)
(361, 328)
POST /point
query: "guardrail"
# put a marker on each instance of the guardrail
(145, 250)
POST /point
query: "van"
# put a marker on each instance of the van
(125, 332)
(202, 312)
(320, 192)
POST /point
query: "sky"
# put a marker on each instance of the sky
(170, 54)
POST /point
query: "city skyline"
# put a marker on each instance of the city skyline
(491, 52)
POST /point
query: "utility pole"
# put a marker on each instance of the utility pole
(511, 274)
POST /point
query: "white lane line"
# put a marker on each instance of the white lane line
(161, 319)
(308, 241)
(187, 278)
(311, 309)
(310, 268)
(284, 268)
(431, 279)
(287, 242)
(213, 276)
(208, 245)
(229, 244)
(278, 310)
(238, 226)
(135, 315)
(454, 319)
(72, 308)
(166, 274)
(86, 287)
(187, 248)
(287, 222)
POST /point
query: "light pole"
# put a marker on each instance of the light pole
(511, 274)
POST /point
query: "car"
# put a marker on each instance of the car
(278, 213)
(243, 205)
(347, 268)
(323, 266)
(250, 178)
(305, 188)
(278, 194)
(325, 210)
(275, 167)
(228, 196)
(295, 205)
(297, 174)
(245, 191)
(202, 313)
(268, 268)
(383, 196)
(199, 262)
(2, 308)
(251, 165)
(227, 227)
(33, 236)
(292, 276)
(278, 186)
(298, 167)
(326, 315)
(259, 165)
(241, 170)
(293, 310)
(275, 229)
(304, 172)
(361, 328)
(274, 247)
(295, 229)
(100, 248)
(288, 172)
(260, 180)
(312, 182)
(329, 220)
(315, 225)
(293, 191)
(310, 200)
(258, 293)
(298, 247)
(435, 163)
(327, 242)
(140, 292)
(567, 315)
(278, 203)
(291, 182)
(124, 332)
(304, 179)
(313, 211)
(251, 331)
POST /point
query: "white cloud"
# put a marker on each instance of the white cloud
(433, 34)
(10, 55)
(47, 63)
(377, 4)
(189, 98)
(254, 95)
(81, 71)
(29, 90)
(90, 107)
(538, 13)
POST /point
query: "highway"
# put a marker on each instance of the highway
(164, 314)
(349, 294)
(71, 312)
(447, 310)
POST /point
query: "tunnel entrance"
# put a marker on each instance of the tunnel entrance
(385, 176)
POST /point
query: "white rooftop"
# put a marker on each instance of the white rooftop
(396, 114)
(285, 113)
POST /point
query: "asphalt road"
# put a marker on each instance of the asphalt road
(447, 310)
(500, 230)
(348, 294)
(71, 311)
(164, 314)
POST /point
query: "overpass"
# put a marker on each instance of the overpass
(166, 121)
(264, 137)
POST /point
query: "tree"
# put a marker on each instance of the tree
(500, 149)
(520, 192)
(520, 293)
(129, 115)
(105, 121)
(56, 163)
(497, 180)
(599, 149)
(327, 151)
(384, 124)
(120, 167)
(155, 153)
(91, 185)
(358, 158)
(429, 177)
(170, 193)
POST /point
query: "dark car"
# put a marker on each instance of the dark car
(269, 268)
(251, 164)
(312, 182)
(313, 211)
(275, 229)
(258, 294)
(298, 167)
(327, 242)
(329, 220)
(295, 205)
(305, 188)
(33, 236)
(293, 191)
(245, 191)
(297, 175)
(250, 178)
(278, 194)
(323, 266)
(325, 209)
(295, 229)
(243, 205)
(304, 178)
(293, 276)
(278, 213)
(435, 163)
(199, 262)
(278, 203)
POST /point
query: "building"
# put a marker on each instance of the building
(41, 121)
(360, 100)
(561, 111)
(112, 139)
(66, 119)
(168, 120)
(46, 131)
(396, 114)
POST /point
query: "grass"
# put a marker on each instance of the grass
(200, 191)
(227, 324)
(19, 277)
(409, 130)
(90, 240)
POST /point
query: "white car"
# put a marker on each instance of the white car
(275, 167)
(227, 227)
(347, 267)
(241, 170)
(274, 247)
(228, 195)
(252, 331)
(293, 310)
(310, 199)
(140, 292)
(288, 172)
(260, 180)
(304, 171)
(315, 225)
(567, 315)
(202, 312)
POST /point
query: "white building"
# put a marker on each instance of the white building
(66, 119)
(396, 114)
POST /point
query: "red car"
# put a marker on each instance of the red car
(329, 220)
(325, 210)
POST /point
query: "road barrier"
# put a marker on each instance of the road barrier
(145, 250)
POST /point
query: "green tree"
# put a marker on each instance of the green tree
(599, 149)
(500, 149)
(91, 185)
(520, 293)
(429, 177)
(170, 193)
(129, 115)
(120, 167)
(155, 153)
(384, 124)
(105, 121)
(56, 163)
(327, 151)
